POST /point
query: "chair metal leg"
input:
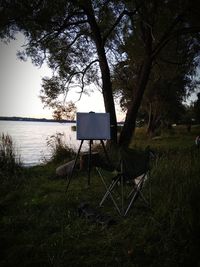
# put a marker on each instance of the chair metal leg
(110, 188)
(122, 195)
(130, 204)
(121, 206)
(134, 192)
(109, 193)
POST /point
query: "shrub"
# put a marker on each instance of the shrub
(59, 149)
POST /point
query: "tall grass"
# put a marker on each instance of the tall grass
(9, 161)
(60, 151)
(176, 205)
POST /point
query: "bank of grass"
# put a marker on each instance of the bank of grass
(40, 226)
(175, 139)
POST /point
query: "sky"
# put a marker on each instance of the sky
(20, 85)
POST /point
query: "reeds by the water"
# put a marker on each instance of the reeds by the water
(60, 151)
(9, 160)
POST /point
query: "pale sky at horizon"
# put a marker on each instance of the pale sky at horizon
(20, 85)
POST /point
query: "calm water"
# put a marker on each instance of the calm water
(30, 138)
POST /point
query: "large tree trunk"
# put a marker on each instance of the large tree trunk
(150, 119)
(105, 71)
(153, 122)
(130, 120)
(153, 125)
(107, 93)
(138, 92)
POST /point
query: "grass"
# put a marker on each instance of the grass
(40, 226)
(9, 161)
(176, 139)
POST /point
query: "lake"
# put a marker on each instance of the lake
(30, 138)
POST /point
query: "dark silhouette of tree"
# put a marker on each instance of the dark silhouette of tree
(81, 40)
(157, 25)
(196, 109)
(71, 37)
(172, 78)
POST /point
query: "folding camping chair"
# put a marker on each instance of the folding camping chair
(132, 170)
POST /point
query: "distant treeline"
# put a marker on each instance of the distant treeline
(2, 118)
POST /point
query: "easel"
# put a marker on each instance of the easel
(89, 160)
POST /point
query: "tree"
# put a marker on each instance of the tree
(165, 104)
(171, 80)
(71, 36)
(196, 108)
(157, 24)
(80, 40)
(49, 92)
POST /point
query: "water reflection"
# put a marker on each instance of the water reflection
(30, 138)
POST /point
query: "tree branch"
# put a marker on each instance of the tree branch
(165, 36)
(173, 62)
(164, 41)
(83, 75)
(124, 12)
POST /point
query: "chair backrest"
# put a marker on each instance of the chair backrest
(134, 162)
(131, 162)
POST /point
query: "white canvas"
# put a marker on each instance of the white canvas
(93, 126)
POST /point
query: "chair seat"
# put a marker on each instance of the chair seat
(132, 171)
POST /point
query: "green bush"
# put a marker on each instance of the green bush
(59, 149)
(73, 128)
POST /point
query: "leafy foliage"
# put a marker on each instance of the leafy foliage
(173, 76)
(197, 109)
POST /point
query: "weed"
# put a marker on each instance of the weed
(59, 149)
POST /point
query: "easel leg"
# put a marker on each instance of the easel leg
(72, 171)
(89, 162)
